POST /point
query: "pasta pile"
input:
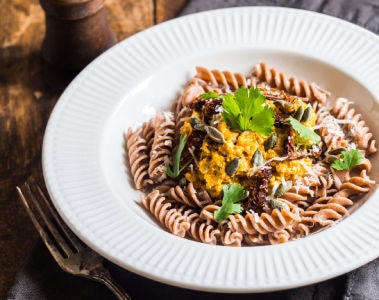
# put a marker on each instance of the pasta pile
(290, 178)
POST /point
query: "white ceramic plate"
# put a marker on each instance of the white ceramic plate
(83, 146)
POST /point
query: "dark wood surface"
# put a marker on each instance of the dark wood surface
(29, 89)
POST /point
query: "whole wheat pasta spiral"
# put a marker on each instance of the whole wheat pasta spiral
(201, 230)
(265, 223)
(330, 129)
(138, 154)
(279, 237)
(224, 81)
(193, 89)
(356, 127)
(291, 85)
(181, 116)
(148, 132)
(230, 237)
(255, 239)
(326, 210)
(166, 185)
(189, 195)
(207, 212)
(303, 227)
(356, 184)
(169, 216)
(162, 146)
(299, 195)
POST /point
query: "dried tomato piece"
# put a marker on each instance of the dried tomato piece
(289, 145)
(259, 190)
(279, 121)
(196, 138)
(212, 107)
(198, 104)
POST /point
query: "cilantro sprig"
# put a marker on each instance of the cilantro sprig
(232, 194)
(246, 110)
(348, 160)
(304, 136)
(175, 172)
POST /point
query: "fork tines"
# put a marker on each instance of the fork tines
(53, 230)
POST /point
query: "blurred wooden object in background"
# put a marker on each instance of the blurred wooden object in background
(77, 31)
(29, 89)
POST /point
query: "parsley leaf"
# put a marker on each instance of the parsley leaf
(304, 135)
(176, 159)
(232, 193)
(246, 110)
(348, 160)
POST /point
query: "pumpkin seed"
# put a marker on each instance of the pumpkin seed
(257, 159)
(277, 204)
(330, 158)
(283, 188)
(215, 135)
(285, 106)
(194, 121)
(270, 142)
(232, 166)
(299, 113)
(200, 127)
(336, 151)
(307, 114)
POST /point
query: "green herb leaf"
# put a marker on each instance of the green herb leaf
(304, 135)
(246, 110)
(176, 159)
(348, 160)
(210, 95)
(232, 193)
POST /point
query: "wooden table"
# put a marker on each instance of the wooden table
(29, 89)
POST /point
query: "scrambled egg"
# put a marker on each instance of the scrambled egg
(210, 172)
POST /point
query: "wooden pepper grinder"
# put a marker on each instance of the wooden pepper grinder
(77, 31)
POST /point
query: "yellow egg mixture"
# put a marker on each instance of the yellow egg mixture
(210, 173)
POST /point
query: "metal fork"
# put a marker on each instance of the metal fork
(71, 254)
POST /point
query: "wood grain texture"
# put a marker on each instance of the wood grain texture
(166, 10)
(29, 89)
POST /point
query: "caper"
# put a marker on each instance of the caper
(232, 166)
(270, 142)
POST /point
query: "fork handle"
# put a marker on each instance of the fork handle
(105, 278)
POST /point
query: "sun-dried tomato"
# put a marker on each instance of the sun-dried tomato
(198, 104)
(195, 140)
(289, 144)
(279, 121)
(212, 107)
(258, 191)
